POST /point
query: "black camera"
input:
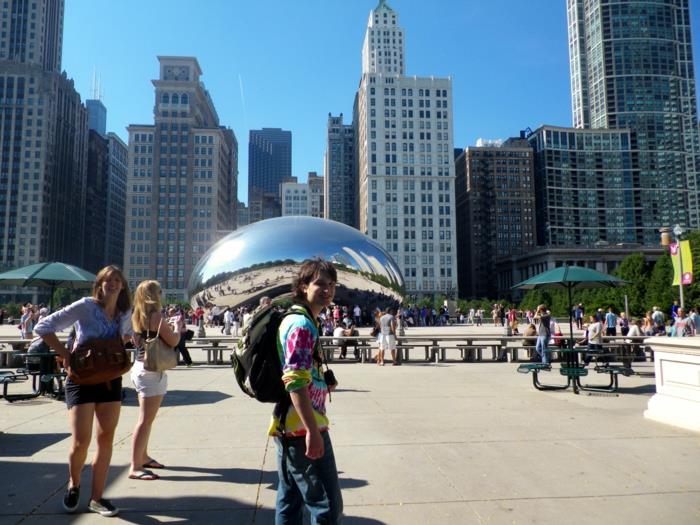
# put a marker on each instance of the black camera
(329, 377)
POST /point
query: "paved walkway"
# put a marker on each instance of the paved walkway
(466, 443)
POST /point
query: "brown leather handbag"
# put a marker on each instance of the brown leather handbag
(98, 361)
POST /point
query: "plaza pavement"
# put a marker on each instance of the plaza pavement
(463, 443)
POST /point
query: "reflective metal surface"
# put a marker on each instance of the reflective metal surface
(262, 258)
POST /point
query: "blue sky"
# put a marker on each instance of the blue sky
(288, 63)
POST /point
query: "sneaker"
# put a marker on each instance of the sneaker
(71, 499)
(103, 507)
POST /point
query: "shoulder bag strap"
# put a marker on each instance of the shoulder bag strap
(148, 328)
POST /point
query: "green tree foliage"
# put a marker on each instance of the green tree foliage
(636, 270)
(65, 296)
(692, 292)
(659, 290)
(533, 298)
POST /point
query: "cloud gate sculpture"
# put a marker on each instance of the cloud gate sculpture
(262, 258)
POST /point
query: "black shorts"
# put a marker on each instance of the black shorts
(102, 393)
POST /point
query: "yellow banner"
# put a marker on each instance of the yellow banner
(682, 263)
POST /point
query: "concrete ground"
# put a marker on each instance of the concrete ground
(467, 443)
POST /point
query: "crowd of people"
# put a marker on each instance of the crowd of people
(308, 475)
(299, 427)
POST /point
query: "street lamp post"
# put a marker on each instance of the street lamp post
(677, 231)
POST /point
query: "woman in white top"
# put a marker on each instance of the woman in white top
(147, 321)
(595, 339)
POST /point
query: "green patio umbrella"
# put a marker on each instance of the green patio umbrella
(570, 278)
(49, 274)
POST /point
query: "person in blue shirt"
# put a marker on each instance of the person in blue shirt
(610, 323)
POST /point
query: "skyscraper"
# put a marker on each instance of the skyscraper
(405, 163)
(340, 189)
(316, 197)
(118, 159)
(269, 163)
(97, 187)
(182, 180)
(495, 201)
(43, 139)
(632, 68)
(97, 116)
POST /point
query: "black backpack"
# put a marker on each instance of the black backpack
(256, 362)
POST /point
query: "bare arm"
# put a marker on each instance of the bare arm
(167, 333)
(52, 340)
(302, 404)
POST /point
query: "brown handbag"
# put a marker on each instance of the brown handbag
(98, 361)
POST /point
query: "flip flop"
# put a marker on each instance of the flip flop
(152, 463)
(146, 475)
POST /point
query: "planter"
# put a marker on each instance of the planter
(677, 369)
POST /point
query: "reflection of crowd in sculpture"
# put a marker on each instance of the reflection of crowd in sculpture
(247, 284)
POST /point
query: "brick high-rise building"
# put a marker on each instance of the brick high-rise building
(495, 200)
(181, 188)
(340, 191)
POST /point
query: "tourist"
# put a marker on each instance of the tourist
(307, 473)
(148, 323)
(683, 326)
(610, 323)
(387, 341)
(595, 339)
(542, 322)
(105, 315)
(176, 317)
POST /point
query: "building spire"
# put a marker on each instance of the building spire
(382, 3)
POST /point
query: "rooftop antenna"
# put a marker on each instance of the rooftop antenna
(96, 91)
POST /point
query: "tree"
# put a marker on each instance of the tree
(691, 292)
(659, 290)
(533, 298)
(635, 269)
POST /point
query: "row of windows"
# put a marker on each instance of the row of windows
(409, 92)
(174, 98)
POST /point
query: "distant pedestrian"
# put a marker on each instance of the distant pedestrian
(542, 323)
(610, 323)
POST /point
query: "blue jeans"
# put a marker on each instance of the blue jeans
(313, 483)
(541, 348)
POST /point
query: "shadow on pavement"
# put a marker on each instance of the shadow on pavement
(176, 398)
(639, 390)
(242, 476)
(26, 445)
(30, 486)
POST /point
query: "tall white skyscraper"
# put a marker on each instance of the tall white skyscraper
(405, 160)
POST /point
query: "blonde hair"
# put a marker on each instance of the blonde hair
(146, 301)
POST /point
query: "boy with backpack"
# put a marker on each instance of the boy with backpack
(306, 464)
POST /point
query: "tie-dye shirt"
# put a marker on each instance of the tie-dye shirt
(295, 344)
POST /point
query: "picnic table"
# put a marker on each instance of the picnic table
(12, 347)
(605, 361)
(47, 377)
(214, 346)
(360, 343)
